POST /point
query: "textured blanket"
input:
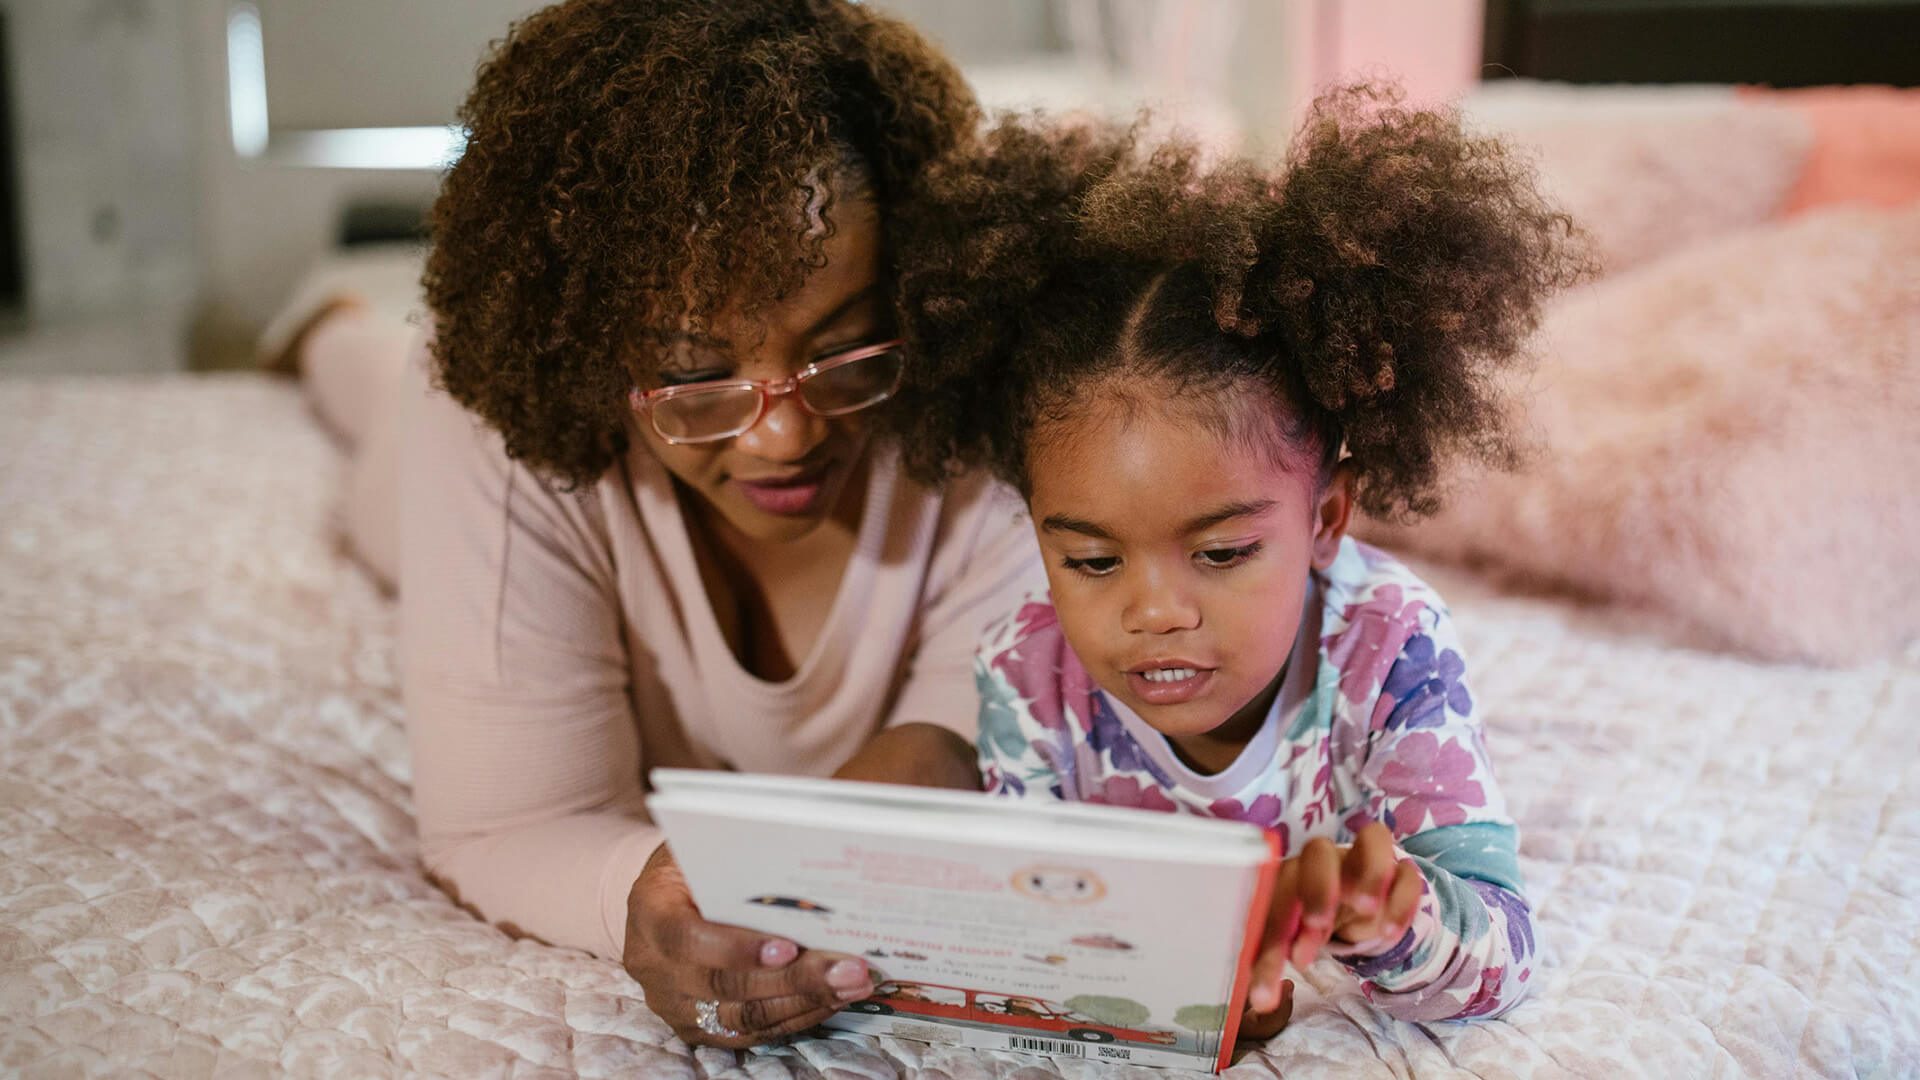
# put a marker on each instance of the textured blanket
(207, 857)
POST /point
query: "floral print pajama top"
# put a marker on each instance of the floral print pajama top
(1373, 722)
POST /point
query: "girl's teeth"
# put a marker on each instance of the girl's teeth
(1170, 674)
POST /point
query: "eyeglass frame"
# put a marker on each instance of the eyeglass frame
(644, 401)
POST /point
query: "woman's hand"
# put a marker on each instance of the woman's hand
(755, 988)
(1354, 895)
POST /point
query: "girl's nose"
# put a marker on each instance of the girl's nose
(1159, 605)
(787, 432)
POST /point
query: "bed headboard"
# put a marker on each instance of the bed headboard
(1768, 42)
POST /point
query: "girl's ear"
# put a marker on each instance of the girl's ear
(1331, 515)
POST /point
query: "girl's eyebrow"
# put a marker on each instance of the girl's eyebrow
(1244, 508)
(1247, 508)
(1063, 523)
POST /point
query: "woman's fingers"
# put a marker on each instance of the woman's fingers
(764, 986)
(824, 976)
(773, 1018)
(1319, 890)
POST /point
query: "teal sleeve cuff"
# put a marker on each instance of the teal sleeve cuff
(1485, 851)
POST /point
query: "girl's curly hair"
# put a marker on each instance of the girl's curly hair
(1373, 287)
(643, 165)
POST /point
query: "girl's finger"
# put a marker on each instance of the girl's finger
(1403, 899)
(1367, 871)
(1282, 926)
(1319, 898)
(1261, 1026)
(1269, 967)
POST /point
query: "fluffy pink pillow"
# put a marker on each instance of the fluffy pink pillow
(1646, 173)
(1729, 435)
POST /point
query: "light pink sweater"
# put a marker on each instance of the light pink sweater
(557, 645)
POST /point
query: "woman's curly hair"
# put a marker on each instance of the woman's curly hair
(1374, 287)
(634, 166)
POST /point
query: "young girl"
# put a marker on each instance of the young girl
(1193, 376)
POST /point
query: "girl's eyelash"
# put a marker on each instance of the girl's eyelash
(1099, 566)
(1233, 556)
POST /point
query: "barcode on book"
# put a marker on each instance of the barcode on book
(1046, 1046)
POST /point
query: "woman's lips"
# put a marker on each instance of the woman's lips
(794, 496)
(1174, 682)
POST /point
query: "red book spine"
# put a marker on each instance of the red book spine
(1249, 948)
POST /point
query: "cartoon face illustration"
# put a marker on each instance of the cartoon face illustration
(1059, 884)
(791, 902)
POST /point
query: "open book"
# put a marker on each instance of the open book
(1054, 928)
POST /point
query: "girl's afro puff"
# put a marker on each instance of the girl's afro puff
(1377, 285)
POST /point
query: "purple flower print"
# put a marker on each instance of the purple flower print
(1128, 791)
(1437, 779)
(1264, 811)
(1366, 649)
(1424, 686)
(1519, 918)
(1041, 668)
(1108, 736)
(1486, 998)
(1366, 967)
(1002, 783)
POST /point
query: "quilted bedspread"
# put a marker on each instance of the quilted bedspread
(207, 860)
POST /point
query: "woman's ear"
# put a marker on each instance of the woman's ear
(1331, 514)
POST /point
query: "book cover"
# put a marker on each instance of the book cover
(1071, 930)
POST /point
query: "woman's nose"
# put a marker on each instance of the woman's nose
(1158, 605)
(787, 432)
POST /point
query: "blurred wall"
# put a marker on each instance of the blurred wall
(134, 197)
(106, 130)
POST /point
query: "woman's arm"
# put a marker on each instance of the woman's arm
(925, 755)
(525, 768)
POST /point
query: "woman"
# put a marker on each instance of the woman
(654, 518)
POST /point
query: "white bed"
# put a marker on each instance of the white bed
(207, 858)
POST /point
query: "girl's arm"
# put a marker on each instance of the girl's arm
(1426, 774)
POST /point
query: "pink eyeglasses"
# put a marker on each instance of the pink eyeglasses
(708, 412)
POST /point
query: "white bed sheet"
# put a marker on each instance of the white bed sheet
(207, 861)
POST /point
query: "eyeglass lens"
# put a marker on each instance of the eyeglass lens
(729, 410)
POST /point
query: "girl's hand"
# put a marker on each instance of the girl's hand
(1261, 1026)
(1353, 895)
(761, 988)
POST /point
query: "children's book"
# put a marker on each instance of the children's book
(1066, 929)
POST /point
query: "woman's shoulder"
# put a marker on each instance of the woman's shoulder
(458, 481)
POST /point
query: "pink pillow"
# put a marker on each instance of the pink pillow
(1866, 144)
(1729, 436)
